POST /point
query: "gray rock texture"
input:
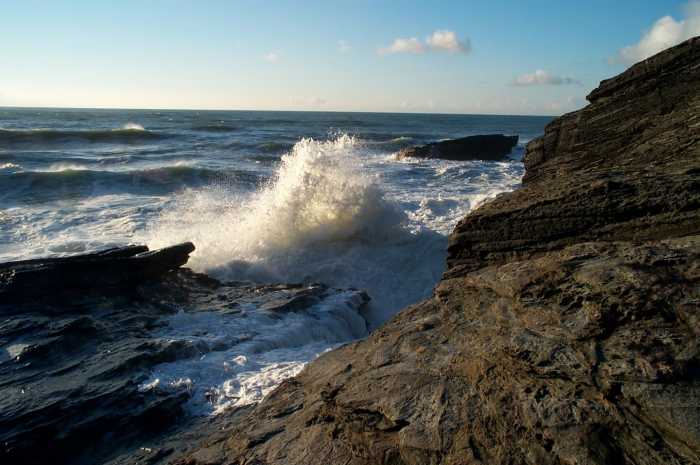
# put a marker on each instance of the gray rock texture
(565, 329)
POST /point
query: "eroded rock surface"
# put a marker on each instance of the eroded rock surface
(565, 330)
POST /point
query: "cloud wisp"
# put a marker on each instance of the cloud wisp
(441, 40)
(543, 78)
(344, 46)
(272, 57)
(664, 33)
(307, 101)
(401, 45)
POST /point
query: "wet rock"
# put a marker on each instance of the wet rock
(565, 328)
(73, 372)
(483, 147)
(53, 278)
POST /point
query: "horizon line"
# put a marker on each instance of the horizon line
(20, 107)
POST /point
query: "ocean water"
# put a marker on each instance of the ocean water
(266, 197)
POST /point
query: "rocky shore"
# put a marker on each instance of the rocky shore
(565, 329)
(78, 354)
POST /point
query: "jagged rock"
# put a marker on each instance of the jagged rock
(45, 277)
(565, 330)
(482, 147)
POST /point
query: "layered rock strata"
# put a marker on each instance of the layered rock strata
(565, 330)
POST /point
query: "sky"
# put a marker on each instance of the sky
(486, 57)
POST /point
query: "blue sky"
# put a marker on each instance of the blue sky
(498, 56)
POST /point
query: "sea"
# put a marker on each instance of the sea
(266, 197)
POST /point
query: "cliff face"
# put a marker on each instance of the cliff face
(623, 168)
(565, 330)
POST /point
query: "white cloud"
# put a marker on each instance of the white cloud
(401, 45)
(447, 40)
(441, 40)
(666, 32)
(343, 46)
(272, 57)
(543, 78)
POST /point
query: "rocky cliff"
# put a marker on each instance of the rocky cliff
(565, 330)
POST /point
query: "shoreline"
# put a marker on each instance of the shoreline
(564, 329)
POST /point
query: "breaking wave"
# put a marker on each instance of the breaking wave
(322, 218)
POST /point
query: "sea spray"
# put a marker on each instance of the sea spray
(321, 218)
(133, 127)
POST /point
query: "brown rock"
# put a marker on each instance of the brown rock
(565, 330)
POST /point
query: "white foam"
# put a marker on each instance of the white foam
(60, 167)
(246, 355)
(133, 127)
(337, 213)
(324, 217)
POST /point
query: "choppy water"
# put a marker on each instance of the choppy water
(266, 197)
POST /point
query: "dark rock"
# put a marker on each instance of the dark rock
(565, 330)
(484, 147)
(72, 371)
(49, 277)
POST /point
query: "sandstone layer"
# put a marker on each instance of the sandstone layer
(565, 330)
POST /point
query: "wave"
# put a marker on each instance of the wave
(71, 180)
(128, 134)
(316, 195)
(322, 218)
(133, 127)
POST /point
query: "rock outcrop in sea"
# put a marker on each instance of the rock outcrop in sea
(565, 329)
(106, 271)
(494, 147)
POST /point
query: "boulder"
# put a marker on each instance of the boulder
(565, 329)
(491, 147)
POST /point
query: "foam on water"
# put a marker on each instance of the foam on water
(246, 355)
(133, 127)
